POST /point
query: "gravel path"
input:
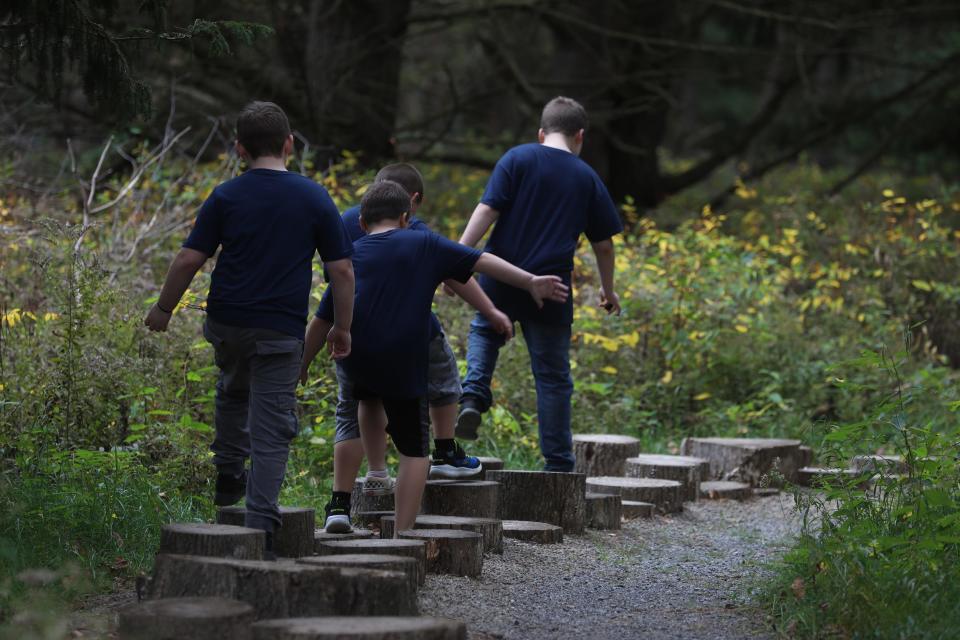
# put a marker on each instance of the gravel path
(689, 576)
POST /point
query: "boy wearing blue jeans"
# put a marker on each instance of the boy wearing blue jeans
(397, 272)
(269, 224)
(541, 197)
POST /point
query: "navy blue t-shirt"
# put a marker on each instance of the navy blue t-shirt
(397, 273)
(546, 198)
(270, 224)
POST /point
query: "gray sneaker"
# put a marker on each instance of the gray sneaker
(468, 422)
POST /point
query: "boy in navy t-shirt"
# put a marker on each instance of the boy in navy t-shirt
(397, 272)
(269, 224)
(541, 197)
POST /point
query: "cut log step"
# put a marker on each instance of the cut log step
(490, 528)
(725, 490)
(489, 464)
(766, 492)
(450, 551)
(371, 519)
(352, 628)
(805, 456)
(746, 459)
(285, 589)
(213, 540)
(321, 536)
(539, 532)
(360, 502)
(293, 539)
(186, 619)
(636, 509)
(886, 465)
(604, 511)
(410, 548)
(603, 454)
(666, 495)
(824, 477)
(404, 564)
(684, 469)
(543, 496)
(471, 499)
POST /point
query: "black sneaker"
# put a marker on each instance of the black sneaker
(455, 464)
(468, 421)
(268, 553)
(338, 518)
(230, 489)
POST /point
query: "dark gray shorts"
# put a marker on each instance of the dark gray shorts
(443, 388)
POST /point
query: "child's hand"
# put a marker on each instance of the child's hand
(304, 374)
(156, 319)
(501, 323)
(610, 302)
(338, 343)
(547, 288)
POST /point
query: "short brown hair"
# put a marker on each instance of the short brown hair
(404, 174)
(384, 200)
(564, 115)
(262, 129)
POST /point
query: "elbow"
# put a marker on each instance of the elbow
(340, 270)
(604, 247)
(190, 260)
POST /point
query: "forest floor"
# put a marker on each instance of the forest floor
(691, 576)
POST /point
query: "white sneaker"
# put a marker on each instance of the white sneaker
(374, 486)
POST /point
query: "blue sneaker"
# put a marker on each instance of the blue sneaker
(455, 464)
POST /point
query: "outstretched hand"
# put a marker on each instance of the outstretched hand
(338, 343)
(551, 288)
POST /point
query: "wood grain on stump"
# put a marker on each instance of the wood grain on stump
(543, 496)
(805, 456)
(186, 619)
(320, 536)
(683, 469)
(539, 532)
(285, 589)
(451, 551)
(404, 564)
(489, 464)
(214, 540)
(603, 454)
(667, 495)
(352, 628)
(294, 537)
(371, 519)
(471, 499)
(635, 509)
(360, 502)
(410, 548)
(725, 490)
(604, 511)
(490, 528)
(746, 459)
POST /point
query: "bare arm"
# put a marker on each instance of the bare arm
(182, 270)
(316, 337)
(480, 222)
(472, 294)
(605, 254)
(341, 279)
(539, 287)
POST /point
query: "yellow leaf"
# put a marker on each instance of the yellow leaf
(701, 396)
(667, 377)
(610, 370)
(922, 285)
(888, 193)
(741, 328)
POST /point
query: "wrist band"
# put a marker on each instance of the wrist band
(170, 312)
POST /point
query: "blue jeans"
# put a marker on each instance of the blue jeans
(549, 349)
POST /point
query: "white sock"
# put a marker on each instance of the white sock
(377, 473)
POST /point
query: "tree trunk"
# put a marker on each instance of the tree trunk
(490, 528)
(604, 511)
(451, 551)
(322, 536)
(725, 490)
(539, 532)
(360, 502)
(371, 519)
(214, 540)
(667, 495)
(820, 477)
(392, 628)
(489, 464)
(746, 459)
(186, 619)
(683, 469)
(636, 509)
(404, 564)
(294, 537)
(471, 499)
(603, 454)
(543, 496)
(409, 548)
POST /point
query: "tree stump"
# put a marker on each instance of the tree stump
(635, 509)
(360, 502)
(683, 469)
(404, 564)
(725, 490)
(450, 551)
(543, 496)
(489, 528)
(746, 459)
(823, 477)
(409, 548)
(766, 492)
(285, 589)
(884, 465)
(539, 532)
(604, 511)
(471, 499)
(489, 464)
(213, 540)
(293, 539)
(320, 536)
(666, 495)
(371, 519)
(603, 454)
(186, 619)
(343, 628)
(805, 456)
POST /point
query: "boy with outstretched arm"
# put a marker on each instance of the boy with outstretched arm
(269, 224)
(443, 388)
(397, 272)
(540, 199)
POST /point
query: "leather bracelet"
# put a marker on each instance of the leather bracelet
(169, 313)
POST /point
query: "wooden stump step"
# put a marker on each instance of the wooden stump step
(186, 619)
(294, 537)
(360, 502)
(404, 564)
(766, 492)
(409, 548)
(489, 464)
(604, 511)
(527, 531)
(635, 509)
(543, 496)
(472, 499)
(686, 470)
(665, 494)
(886, 465)
(603, 454)
(490, 528)
(825, 477)
(451, 551)
(353, 628)
(805, 456)
(725, 490)
(213, 540)
(285, 589)
(746, 459)
(320, 536)
(371, 519)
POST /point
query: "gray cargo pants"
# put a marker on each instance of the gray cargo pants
(255, 411)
